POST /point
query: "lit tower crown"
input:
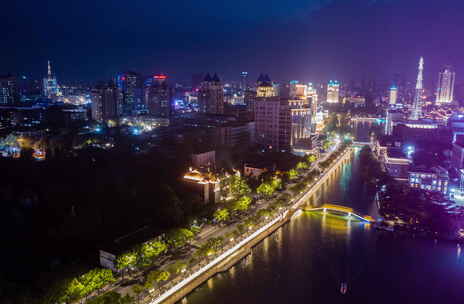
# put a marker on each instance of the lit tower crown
(49, 70)
(420, 75)
(416, 112)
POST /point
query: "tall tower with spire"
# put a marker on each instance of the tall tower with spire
(50, 85)
(49, 70)
(416, 112)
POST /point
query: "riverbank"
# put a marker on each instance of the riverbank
(234, 254)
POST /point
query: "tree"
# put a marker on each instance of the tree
(111, 297)
(178, 267)
(157, 276)
(242, 204)
(125, 260)
(210, 247)
(79, 287)
(263, 213)
(265, 189)
(302, 166)
(276, 182)
(153, 249)
(221, 215)
(239, 186)
(178, 237)
(292, 174)
(326, 145)
(137, 289)
(163, 276)
(311, 158)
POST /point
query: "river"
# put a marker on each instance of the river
(307, 260)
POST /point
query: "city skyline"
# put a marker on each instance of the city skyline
(247, 36)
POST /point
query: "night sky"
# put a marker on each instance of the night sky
(311, 40)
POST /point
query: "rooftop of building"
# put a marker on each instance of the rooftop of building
(395, 153)
(429, 170)
(201, 176)
(389, 140)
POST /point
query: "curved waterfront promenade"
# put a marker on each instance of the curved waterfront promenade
(233, 254)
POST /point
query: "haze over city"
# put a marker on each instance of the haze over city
(308, 39)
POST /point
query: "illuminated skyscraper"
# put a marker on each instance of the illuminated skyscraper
(416, 112)
(50, 85)
(333, 92)
(298, 90)
(128, 84)
(106, 102)
(159, 97)
(265, 88)
(8, 89)
(243, 81)
(445, 87)
(393, 95)
(211, 95)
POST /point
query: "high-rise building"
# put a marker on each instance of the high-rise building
(393, 95)
(265, 88)
(312, 93)
(128, 84)
(243, 81)
(159, 97)
(211, 95)
(298, 90)
(50, 85)
(282, 123)
(333, 92)
(445, 87)
(416, 112)
(8, 90)
(106, 102)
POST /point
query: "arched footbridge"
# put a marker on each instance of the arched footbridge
(341, 209)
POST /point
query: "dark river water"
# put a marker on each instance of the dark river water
(307, 260)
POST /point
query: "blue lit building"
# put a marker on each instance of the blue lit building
(50, 85)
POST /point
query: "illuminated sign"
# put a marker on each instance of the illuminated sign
(160, 77)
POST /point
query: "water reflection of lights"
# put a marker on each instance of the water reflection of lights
(338, 225)
(266, 249)
(232, 272)
(210, 283)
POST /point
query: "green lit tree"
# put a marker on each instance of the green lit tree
(239, 186)
(79, 287)
(311, 158)
(157, 276)
(163, 276)
(153, 249)
(326, 145)
(178, 267)
(265, 189)
(137, 289)
(276, 182)
(179, 237)
(221, 215)
(242, 204)
(111, 297)
(126, 260)
(263, 213)
(302, 166)
(292, 174)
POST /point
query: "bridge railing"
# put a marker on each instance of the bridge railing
(346, 210)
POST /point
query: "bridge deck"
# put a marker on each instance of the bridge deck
(338, 208)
